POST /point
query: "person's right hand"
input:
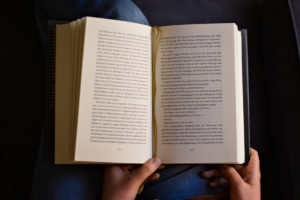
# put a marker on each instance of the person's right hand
(244, 181)
(123, 182)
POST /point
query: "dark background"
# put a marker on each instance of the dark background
(22, 107)
(274, 87)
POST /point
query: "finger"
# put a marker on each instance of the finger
(127, 168)
(154, 177)
(141, 174)
(238, 167)
(114, 171)
(252, 170)
(162, 166)
(254, 158)
(231, 174)
(219, 182)
(211, 173)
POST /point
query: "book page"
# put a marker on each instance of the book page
(115, 104)
(196, 109)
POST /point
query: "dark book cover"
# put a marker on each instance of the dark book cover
(246, 94)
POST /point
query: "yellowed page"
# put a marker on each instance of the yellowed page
(69, 42)
(115, 105)
(196, 109)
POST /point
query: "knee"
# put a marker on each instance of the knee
(69, 10)
(125, 10)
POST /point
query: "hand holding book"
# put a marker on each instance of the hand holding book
(123, 182)
(243, 181)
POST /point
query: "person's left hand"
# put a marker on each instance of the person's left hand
(123, 182)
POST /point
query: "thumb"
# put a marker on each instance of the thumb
(231, 175)
(148, 168)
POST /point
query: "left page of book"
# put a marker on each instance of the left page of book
(115, 100)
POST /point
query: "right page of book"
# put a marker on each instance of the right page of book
(199, 94)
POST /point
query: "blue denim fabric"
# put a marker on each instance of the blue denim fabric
(179, 182)
(73, 9)
(78, 182)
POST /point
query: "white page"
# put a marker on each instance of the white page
(195, 107)
(115, 106)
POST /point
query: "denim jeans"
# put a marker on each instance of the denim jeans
(84, 182)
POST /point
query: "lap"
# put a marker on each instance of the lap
(85, 182)
(179, 182)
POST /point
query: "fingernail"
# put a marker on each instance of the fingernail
(156, 161)
(157, 175)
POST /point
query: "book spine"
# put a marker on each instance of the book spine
(155, 38)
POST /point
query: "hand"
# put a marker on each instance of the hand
(123, 182)
(244, 181)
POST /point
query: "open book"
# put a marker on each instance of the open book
(126, 92)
